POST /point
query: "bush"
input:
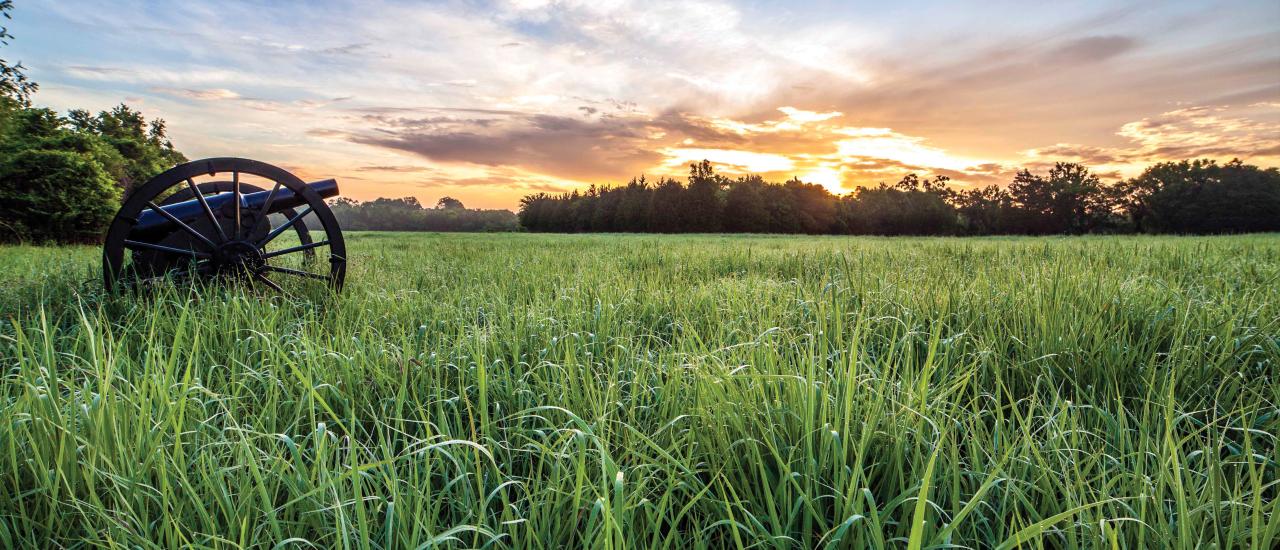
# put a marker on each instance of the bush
(1204, 197)
(48, 195)
(52, 165)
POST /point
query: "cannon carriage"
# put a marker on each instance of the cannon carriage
(226, 219)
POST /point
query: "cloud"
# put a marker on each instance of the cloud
(802, 116)
(1092, 49)
(460, 82)
(347, 49)
(90, 72)
(1196, 128)
(1218, 132)
(1086, 154)
(255, 103)
(495, 177)
(212, 94)
(557, 145)
(594, 145)
(163, 75)
(883, 143)
(745, 161)
(547, 188)
(397, 168)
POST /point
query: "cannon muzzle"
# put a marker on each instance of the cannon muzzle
(152, 223)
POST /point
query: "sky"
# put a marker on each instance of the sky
(488, 101)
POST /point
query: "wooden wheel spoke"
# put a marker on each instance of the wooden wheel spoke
(271, 284)
(297, 273)
(265, 211)
(207, 211)
(157, 209)
(237, 197)
(293, 249)
(277, 231)
(163, 248)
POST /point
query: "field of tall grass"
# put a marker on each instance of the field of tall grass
(524, 391)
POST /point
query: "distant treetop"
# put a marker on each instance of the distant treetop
(449, 203)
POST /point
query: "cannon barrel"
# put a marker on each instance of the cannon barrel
(152, 223)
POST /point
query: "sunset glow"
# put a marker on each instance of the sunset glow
(490, 101)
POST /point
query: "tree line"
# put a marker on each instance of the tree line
(1195, 196)
(407, 214)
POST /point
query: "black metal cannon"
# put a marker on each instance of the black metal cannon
(177, 228)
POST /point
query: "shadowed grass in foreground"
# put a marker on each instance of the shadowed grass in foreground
(656, 392)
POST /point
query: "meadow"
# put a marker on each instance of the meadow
(683, 392)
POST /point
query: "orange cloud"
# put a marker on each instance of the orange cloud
(1251, 133)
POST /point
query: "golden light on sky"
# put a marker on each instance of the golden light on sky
(826, 176)
(883, 143)
(737, 161)
(489, 101)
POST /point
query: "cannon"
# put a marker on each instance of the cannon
(226, 219)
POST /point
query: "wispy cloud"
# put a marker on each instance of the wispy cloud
(1191, 132)
(1091, 49)
(211, 94)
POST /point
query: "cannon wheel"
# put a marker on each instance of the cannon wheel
(228, 244)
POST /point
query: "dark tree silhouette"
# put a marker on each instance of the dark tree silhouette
(633, 206)
(813, 207)
(1202, 197)
(449, 203)
(701, 207)
(1198, 196)
(987, 211)
(1069, 200)
(665, 207)
(909, 207)
(744, 206)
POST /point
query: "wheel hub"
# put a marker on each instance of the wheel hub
(238, 258)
